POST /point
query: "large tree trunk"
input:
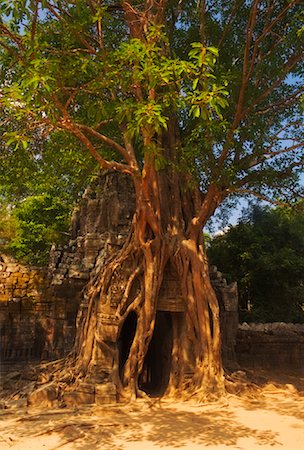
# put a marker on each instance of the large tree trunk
(163, 237)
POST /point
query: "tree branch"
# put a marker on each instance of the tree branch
(285, 102)
(111, 143)
(282, 175)
(202, 22)
(270, 154)
(276, 20)
(16, 39)
(244, 83)
(293, 60)
(241, 113)
(260, 197)
(235, 8)
(285, 127)
(76, 131)
(34, 23)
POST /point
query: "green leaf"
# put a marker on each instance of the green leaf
(213, 50)
(195, 82)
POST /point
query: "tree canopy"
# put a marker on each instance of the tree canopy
(74, 67)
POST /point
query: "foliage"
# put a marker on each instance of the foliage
(54, 165)
(7, 227)
(40, 221)
(112, 79)
(265, 254)
(230, 72)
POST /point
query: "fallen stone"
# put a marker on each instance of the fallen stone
(43, 397)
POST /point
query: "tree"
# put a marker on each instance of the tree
(264, 253)
(141, 87)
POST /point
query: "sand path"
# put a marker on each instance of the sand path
(273, 419)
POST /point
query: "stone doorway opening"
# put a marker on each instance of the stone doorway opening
(155, 375)
(125, 340)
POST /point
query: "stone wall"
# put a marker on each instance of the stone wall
(278, 346)
(23, 310)
(37, 321)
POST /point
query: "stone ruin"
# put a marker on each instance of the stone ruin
(41, 324)
(38, 308)
(275, 346)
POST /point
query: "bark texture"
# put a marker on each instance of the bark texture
(163, 238)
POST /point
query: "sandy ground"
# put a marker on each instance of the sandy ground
(273, 419)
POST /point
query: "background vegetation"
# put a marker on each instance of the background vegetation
(265, 254)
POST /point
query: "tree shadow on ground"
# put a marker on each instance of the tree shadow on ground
(281, 392)
(110, 427)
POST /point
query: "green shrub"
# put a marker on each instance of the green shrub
(40, 221)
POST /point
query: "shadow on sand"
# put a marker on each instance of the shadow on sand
(110, 427)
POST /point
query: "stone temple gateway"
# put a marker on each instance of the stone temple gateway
(99, 227)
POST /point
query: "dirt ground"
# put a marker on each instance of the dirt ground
(272, 418)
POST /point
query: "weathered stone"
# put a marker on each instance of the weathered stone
(78, 398)
(271, 346)
(43, 397)
(105, 393)
(87, 388)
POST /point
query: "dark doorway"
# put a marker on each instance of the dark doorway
(125, 340)
(155, 375)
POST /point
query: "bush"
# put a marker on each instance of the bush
(40, 221)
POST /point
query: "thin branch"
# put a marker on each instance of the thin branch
(267, 29)
(252, 176)
(70, 99)
(15, 38)
(277, 19)
(260, 197)
(11, 50)
(293, 60)
(236, 7)
(93, 4)
(285, 102)
(76, 131)
(34, 23)
(62, 19)
(247, 73)
(102, 123)
(245, 80)
(86, 44)
(110, 142)
(252, 161)
(285, 127)
(270, 154)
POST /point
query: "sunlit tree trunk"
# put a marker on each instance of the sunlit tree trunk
(166, 232)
